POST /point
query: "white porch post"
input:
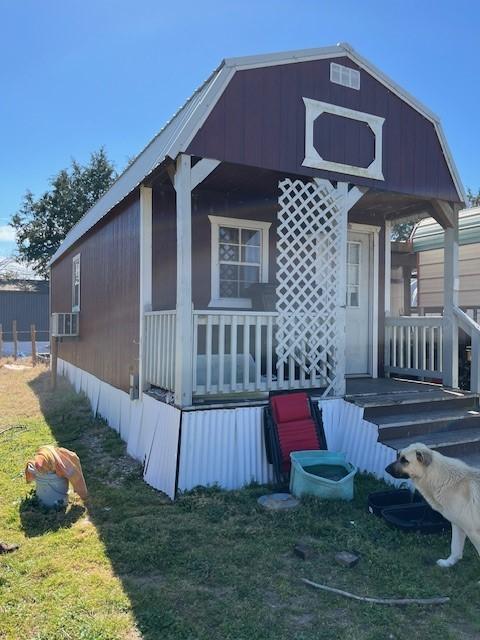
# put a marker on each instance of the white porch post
(184, 319)
(185, 179)
(145, 273)
(451, 287)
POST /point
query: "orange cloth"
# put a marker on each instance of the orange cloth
(63, 462)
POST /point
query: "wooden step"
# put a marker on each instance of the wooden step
(452, 443)
(417, 402)
(413, 425)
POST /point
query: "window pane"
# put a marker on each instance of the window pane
(228, 289)
(227, 234)
(353, 274)
(251, 237)
(228, 252)
(228, 272)
(251, 254)
(353, 253)
(352, 296)
(250, 274)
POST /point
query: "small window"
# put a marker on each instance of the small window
(239, 259)
(353, 274)
(345, 76)
(76, 283)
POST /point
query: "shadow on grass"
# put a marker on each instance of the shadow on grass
(125, 511)
(37, 519)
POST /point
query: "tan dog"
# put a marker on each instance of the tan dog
(450, 487)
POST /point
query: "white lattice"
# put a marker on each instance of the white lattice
(311, 246)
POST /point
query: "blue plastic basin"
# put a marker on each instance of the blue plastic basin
(335, 484)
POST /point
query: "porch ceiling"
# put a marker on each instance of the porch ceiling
(263, 184)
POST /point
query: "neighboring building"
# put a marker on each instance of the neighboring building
(428, 243)
(246, 250)
(27, 302)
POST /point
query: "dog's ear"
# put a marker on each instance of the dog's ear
(424, 457)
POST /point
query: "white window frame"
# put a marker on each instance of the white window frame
(235, 223)
(75, 261)
(314, 109)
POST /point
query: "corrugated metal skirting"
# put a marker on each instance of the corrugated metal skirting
(150, 428)
(347, 431)
(224, 447)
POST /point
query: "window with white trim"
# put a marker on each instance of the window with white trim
(353, 274)
(76, 283)
(239, 259)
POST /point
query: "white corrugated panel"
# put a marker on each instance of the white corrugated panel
(224, 447)
(140, 440)
(347, 431)
(251, 464)
(207, 449)
(161, 465)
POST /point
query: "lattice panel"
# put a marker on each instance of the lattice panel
(311, 241)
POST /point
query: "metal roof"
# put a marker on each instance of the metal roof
(428, 234)
(177, 134)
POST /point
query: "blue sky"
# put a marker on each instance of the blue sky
(84, 73)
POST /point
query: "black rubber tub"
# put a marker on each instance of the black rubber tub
(379, 500)
(415, 517)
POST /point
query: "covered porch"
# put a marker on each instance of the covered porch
(301, 323)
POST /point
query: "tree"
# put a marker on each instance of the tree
(473, 200)
(402, 231)
(41, 224)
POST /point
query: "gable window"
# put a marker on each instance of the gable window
(239, 259)
(76, 283)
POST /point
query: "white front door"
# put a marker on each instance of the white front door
(359, 304)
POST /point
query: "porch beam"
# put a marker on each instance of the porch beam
(185, 180)
(202, 170)
(443, 213)
(354, 195)
(145, 285)
(451, 289)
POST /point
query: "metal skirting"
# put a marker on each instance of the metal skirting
(223, 447)
(347, 431)
(150, 428)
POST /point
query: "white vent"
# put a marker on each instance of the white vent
(64, 325)
(345, 76)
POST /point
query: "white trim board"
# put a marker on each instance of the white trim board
(177, 134)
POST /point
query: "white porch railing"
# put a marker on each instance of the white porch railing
(235, 351)
(472, 329)
(413, 346)
(159, 349)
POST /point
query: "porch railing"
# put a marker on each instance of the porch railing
(159, 349)
(413, 346)
(472, 329)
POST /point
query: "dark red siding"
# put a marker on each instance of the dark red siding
(109, 297)
(260, 121)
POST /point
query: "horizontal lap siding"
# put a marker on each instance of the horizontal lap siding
(260, 121)
(109, 297)
(430, 276)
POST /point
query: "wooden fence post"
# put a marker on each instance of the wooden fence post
(53, 361)
(33, 335)
(14, 336)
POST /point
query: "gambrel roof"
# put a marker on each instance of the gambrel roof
(180, 131)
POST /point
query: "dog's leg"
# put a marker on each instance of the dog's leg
(456, 551)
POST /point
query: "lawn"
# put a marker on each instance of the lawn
(211, 566)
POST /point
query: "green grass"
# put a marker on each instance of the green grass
(211, 566)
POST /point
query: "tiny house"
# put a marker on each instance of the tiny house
(246, 251)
